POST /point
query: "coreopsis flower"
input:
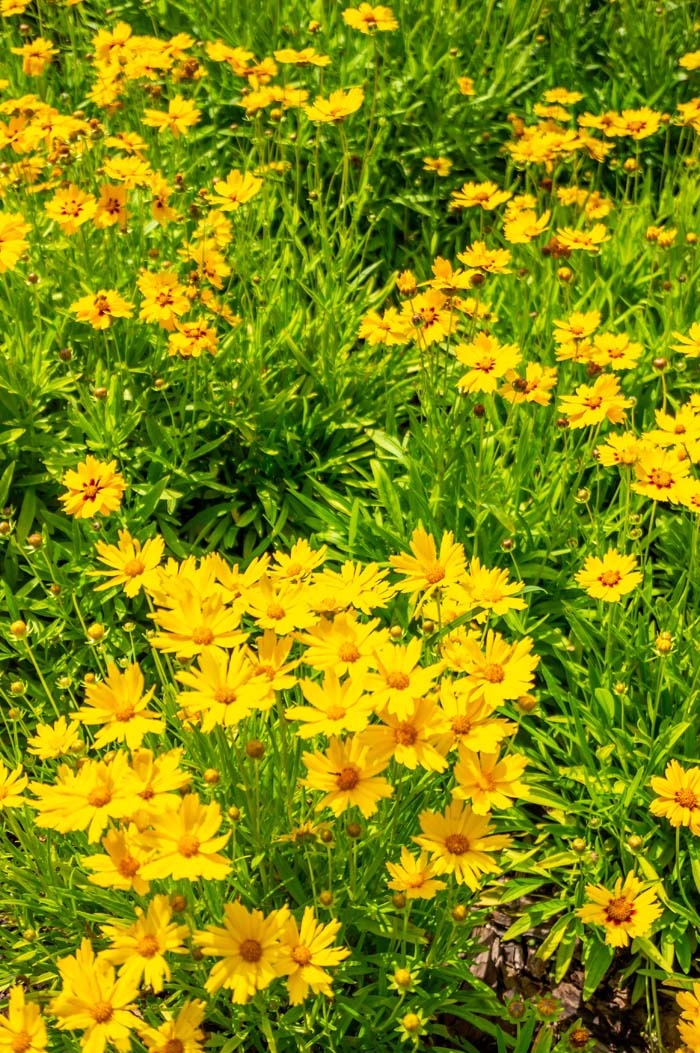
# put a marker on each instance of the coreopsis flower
(460, 843)
(389, 329)
(578, 326)
(465, 85)
(690, 61)
(689, 345)
(195, 624)
(306, 953)
(333, 707)
(489, 780)
(625, 912)
(186, 843)
(412, 740)
(118, 704)
(94, 488)
(501, 671)
(179, 1034)
(660, 474)
(305, 57)
(192, 339)
(249, 945)
(120, 867)
(111, 206)
(439, 165)
(470, 720)
(563, 96)
(348, 773)
(54, 740)
(8, 8)
(132, 565)
(237, 189)
(95, 1002)
(269, 657)
(609, 578)
(36, 55)
(342, 644)
(689, 494)
(354, 585)
(23, 1029)
(427, 317)
(427, 569)
(615, 350)
(535, 386)
(523, 227)
(689, 1031)
(131, 171)
(164, 298)
(298, 563)
(637, 124)
(415, 877)
(71, 207)
(181, 115)
(101, 308)
(488, 261)
(622, 448)
(12, 784)
(400, 678)
(139, 949)
(279, 605)
(487, 196)
(690, 114)
(678, 796)
(689, 1003)
(224, 689)
(448, 279)
(487, 360)
(339, 105)
(592, 404)
(681, 430)
(370, 19)
(87, 799)
(13, 239)
(583, 240)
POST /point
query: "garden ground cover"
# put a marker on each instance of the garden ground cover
(350, 421)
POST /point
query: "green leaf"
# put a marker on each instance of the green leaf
(597, 960)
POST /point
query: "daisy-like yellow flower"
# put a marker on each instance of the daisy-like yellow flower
(333, 707)
(306, 953)
(678, 796)
(691, 60)
(54, 740)
(400, 678)
(439, 165)
(470, 719)
(460, 843)
(357, 585)
(623, 449)
(689, 1031)
(370, 19)
(140, 948)
(465, 85)
(13, 239)
(501, 671)
(111, 207)
(348, 774)
(689, 1003)
(637, 124)
(12, 785)
(583, 240)
(489, 781)
(615, 350)
(95, 1002)
(249, 947)
(660, 474)
(164, 298)
(681, 430)
(427, 317)
(593, 404)
(180, 1034)
(101, 308)
(487, 196)
(535, 386)
(298, 563)
(133, 566)
(118, 704)
(71, 207)
(415, 877)
(157, 782)
(305, 57)
(488, 261)
(87, 799)
(689, 345)
(389, 329)
(625, 912)
(269, 657)
(192, 339)
(36, 55)
(223, 690)
(120, 867)
(339, 105)
(413, 740)
(235, 190)
(186, 843)
(23, 1029)
(609, 578)
(181, 115)
(94, 488)
(343, 644)
(490, 590)
(195, 624)
(487, 360)
(427, 569)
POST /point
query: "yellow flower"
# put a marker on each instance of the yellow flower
(164, 298)
(370, 19)
(71, 207)
(592, 405)
(334, 707)
(583, 240)
(179, 1035)
(501, 671)
(521, 229)
(427, 317)
(305, 57)
(250, 949)
(87, 799)
(305, 955)
(427, 570)
(609, 578)
(439, 165)
(51, 741)
(615, 350)
(224, 689)
(578, 326)
(120, 867)
(470, 719)
(343, 644)
(36, 56)
(400, 678)
(339, 105)
(192, 339)
(101, 308)
(660, 475)
(12, 783)
(157, 780)
(691, 60)
(195, 624)
(466, 85)
(94, 488)
(678, 796)
(186, 843)
(298, 563)
(414, 877)
(94, 1002)
(625, 912)
(13, 241)
(23, 1029)
(488, 361)
(180, 116)
(111, 207)
(279, 605)
(119, 705)
(535, 386)
(348, 774)
(236, 190)
(133, 566)
(487, 780)
(487, 196)
(460, 843)
(488, 261)
(140, 948)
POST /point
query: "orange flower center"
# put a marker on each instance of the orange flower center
(148, 946)
(164, 299)
(101, 305)
(173, 1045)
(397, 681)
(457, 844)
(348, 652)
(133, 568)
(294, 570)
(128, 866)
(414, 880)
(461, 725)
(494, 673)
(680, 429)
(301, 955)
(147, 793)
(347, 779)
(251, 951)
(99, 796)
(188, 846)
(594, 402)
(101, 1012)
(660, 478)
(619, 910)
(275, 611)
(225, 695)
(610, 578)
(405, 734)
(20, 1042)
(90, 491)
(124, 713)
(687, 799)
(435, 573)
(336, 712)
(202, 635)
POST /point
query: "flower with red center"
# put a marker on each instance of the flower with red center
(625, 912)
(678, 796)
(94, 488)
(487, 360)
(661, 474)
(101, 308)
(164, 298)
(368, 19)
(181, 115)
(594, 404)
(609, 578)
(71, 207)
